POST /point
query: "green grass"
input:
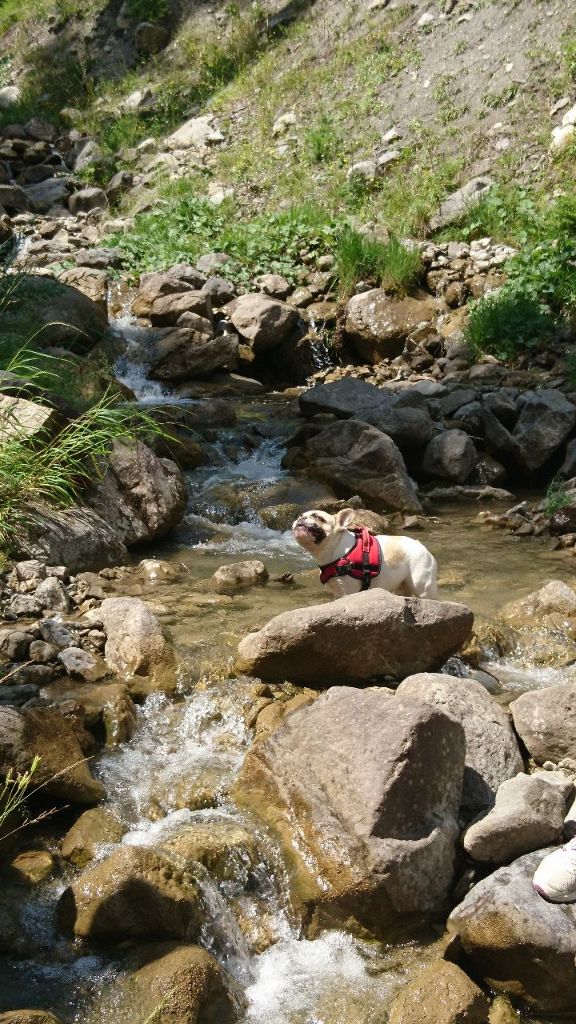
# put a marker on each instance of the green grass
(507, 322)
(556, 497)
(387, 264)
(13, 792)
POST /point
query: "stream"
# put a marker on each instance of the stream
(177, 770)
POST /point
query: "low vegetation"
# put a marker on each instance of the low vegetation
(13, 792)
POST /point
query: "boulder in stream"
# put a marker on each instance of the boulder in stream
(355, 640)
(440, 994)
(362, 789)
(135, 643)
(28, 1017)
(545, 720)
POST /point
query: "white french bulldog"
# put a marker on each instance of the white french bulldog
(407, 567)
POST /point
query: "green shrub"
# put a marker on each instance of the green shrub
(556, 497)
(507, 322)
(360, 257)
(322, 141)
(148, 10)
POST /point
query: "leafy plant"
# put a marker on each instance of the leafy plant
(148, 10)
(506, 322)
(361, 257)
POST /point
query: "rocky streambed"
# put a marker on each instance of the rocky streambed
(196, 889)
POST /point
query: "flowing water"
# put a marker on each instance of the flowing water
(176, 772)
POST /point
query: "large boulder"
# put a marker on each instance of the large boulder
(461, 202)
(546, 419)
(172, 984)
(343, 398)
(166, 310)
(48, 193)
(362, 789)
(355, 639)
(528, 814)
(409, 427)
(440, 994)
(135, 643)
(93, 829)
(135, 893)
(492, 753)
(356, 458)
(75, 537)
(55, 313)
(262, 321)
(23, 420)
(180, 278)
(62, 770)
(450, 456)
(545, 720)
(28, 1017)
(140, 495)
(378, 324)
(517, 941)
(184, 353)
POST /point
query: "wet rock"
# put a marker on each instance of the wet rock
(545, 721)
(178, 985)
(262, 321)
(225, 850)
(351, 454)
(319, 645)
(55, 632)
(450, 456)
(135, 644)
(92, 283)
(229, 579)
(378, 324)
(545, 621)
(382, 843)
(28, 1017)
(166, 309)
(344, 398)
(134, 894)
(119, 718)
(140, 495)
(24, 606)
(492, 754)
(440, 994)
(42, 652)
(93, 829)
(15, 644)
(62, 769)
(33, 866)
(184, 354)
(77, 537)
(80, 663)
(528, 814)
(410, 429)
(16, 695)
(517, 941)
(546, 419)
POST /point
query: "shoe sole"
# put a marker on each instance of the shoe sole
(550, 899)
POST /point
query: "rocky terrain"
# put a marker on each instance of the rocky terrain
(281, 235)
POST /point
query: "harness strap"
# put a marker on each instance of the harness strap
(356, 562)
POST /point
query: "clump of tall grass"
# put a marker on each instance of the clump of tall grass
(360, 257)
(13, 791)
(508, 322)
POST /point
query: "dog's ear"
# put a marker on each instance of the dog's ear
(344, 518)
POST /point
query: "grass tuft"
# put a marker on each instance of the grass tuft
(506, 322)
(360, 257)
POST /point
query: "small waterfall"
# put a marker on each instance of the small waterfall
(131, 367)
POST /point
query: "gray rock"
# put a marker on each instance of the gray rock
(168, 308)
(46, 194)
(450, 456)
(140, 495)
(13, 198)
(99, 259)
(410, 429)
(24, 605)
(81, 663)
(460, 202)
(545, 720)
(319, 645)
(378, 324)
(344, 398)
(492, 754)
(89, 154)
(517, 941)
(77, 537)
(359, 459)
(546, 419)
(184, 354)
(15, 644)
(212, 262)
(150, 37)
(135, 643)
(9, 96)
(528, 814)
(87, 199)
(120, 183)
(16, 695)
(30, 569)
(262, 321)
(56, 313)
(42, 652)
(55, 633)
(367, 841)
(52, 595)
(230, 579)
(219, 291)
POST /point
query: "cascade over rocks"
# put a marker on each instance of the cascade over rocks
(492, 753)
(355, 639)
(340, 782)
(517, 941)
(353, 456)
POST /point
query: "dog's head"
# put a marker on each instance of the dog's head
(312, 528)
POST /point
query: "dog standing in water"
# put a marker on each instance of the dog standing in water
(354, 560)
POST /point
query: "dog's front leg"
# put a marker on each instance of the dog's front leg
(337, 587)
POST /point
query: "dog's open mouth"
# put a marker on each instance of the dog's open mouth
(312, 529)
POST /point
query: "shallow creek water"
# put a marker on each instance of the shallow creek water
(195, 741)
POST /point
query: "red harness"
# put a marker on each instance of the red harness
(363, 562)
